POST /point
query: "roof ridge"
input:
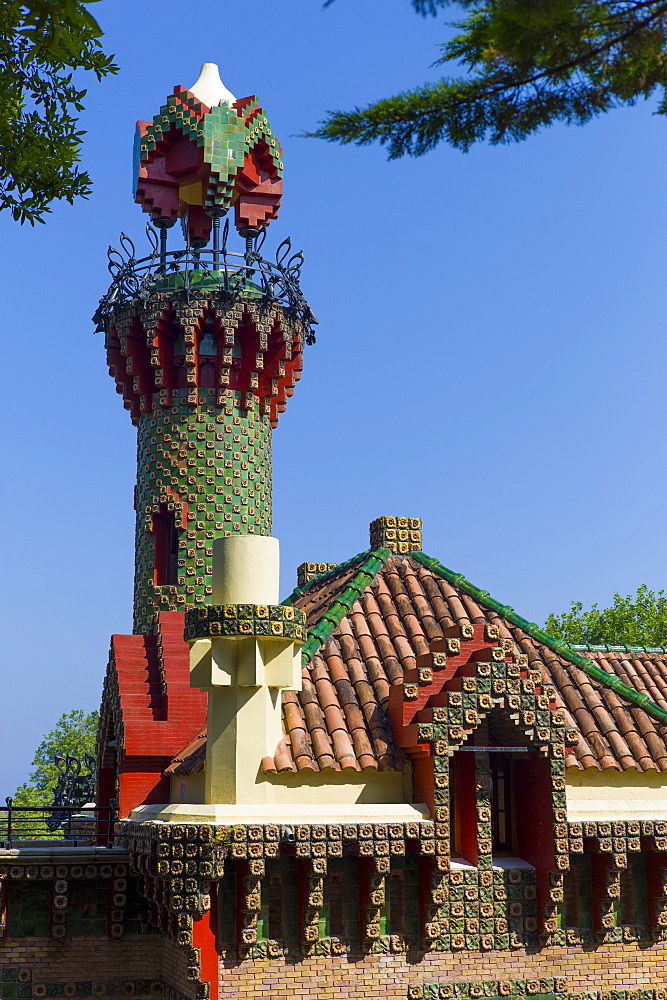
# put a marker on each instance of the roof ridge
(606, 647)
(341, 606)
(558, 646)
(299, 591)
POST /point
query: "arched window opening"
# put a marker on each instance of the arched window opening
(499, 769)
(165, 542)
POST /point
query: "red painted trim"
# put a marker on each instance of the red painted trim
(204, 934)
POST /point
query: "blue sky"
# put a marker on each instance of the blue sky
(490, 353)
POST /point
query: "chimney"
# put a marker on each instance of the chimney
(244, 650)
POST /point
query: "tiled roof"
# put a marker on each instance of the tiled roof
(190, 760)
(339, 719)
(369, 619)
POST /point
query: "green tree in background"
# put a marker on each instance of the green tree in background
(42, 43)
(75, 733)
(635, 620)
(525, 64)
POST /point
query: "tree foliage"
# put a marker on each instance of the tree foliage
(42, 44)
(75, 733)
(635, 620)
(526, 64)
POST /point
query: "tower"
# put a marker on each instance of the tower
(205, 343)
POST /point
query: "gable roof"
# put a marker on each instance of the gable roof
(369, 618)
(408, 603)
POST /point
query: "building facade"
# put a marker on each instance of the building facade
(386, 785)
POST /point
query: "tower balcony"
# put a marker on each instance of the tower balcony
(216, 269)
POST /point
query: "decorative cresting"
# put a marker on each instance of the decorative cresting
(205, 378)
(243, 652)
(435, 712)
(401, 535)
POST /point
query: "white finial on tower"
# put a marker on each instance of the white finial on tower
(209, 88)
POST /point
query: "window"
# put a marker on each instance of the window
(401, 910)
(578, 892)
(227, 904)
(278, 914)
(501, 803)
(633, 903)
(340, 913)
(165, 541)
(137, 919)
(87, 909)
(208, 353)
(28, 909)
(463, 806)
(208, 346)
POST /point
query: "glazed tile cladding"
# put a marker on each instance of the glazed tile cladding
(205, 380)
(398, 534)
(245, 619)
(174, 450)
(58, 881)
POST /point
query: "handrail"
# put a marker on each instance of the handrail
(73, 826)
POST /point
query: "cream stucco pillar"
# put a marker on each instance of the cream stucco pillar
(244, 650)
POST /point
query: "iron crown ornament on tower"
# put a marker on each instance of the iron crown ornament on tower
(205, 344)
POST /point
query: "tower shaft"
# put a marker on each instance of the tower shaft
(204, 375)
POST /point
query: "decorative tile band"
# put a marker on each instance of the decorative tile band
(17, 983)
(272, 620)
(555, 989)
(518, 989)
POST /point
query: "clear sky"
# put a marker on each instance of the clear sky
(490, 355)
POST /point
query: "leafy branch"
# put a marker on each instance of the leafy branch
(42, 44)
(525, 64)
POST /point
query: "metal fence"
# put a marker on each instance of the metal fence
(60, 826)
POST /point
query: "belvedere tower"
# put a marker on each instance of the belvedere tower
(205, 343)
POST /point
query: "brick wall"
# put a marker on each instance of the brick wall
(387, 977)
(174, 968)
(78, 959)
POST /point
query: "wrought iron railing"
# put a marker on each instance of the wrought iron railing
(190, 269)
(64, 826)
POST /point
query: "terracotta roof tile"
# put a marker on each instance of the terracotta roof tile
(405, 607)
(340, 717)
(190, 760)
